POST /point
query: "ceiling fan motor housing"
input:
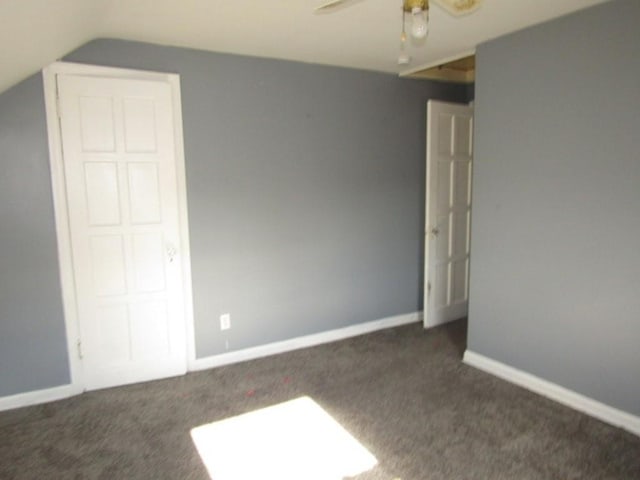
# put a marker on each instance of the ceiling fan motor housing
(409, 5)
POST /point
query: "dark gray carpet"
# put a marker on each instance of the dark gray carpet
(403, 393)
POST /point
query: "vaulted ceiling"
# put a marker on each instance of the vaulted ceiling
(34, 33)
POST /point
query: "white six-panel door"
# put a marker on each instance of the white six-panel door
(120, 178)
(448, 211)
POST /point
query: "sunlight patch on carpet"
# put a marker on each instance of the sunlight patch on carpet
(290, 441)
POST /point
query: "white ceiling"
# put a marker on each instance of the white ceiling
(33, 33)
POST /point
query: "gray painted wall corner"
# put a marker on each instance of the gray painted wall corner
(554, 261)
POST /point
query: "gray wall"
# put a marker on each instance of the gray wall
(305, 187)
(555, 268)
(33, 351)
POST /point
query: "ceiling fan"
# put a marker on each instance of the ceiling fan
(417, 11)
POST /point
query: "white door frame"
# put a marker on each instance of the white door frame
(58, 184)
(428, 322)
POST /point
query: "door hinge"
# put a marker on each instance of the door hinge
(79, 344)
(428, 288)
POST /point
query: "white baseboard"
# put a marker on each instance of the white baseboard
(65, 391)
(577, 401)
(38, 396)
(303, 342)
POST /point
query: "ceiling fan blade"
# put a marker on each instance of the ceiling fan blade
(334, 5)
(329, 5)
(459, 7)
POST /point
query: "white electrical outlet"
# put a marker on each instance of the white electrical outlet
(225, 321)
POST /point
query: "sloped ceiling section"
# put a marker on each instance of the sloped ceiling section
(34, 33)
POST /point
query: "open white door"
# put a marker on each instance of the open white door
(448, 211)
(125, 237)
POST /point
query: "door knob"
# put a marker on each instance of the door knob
(172, 251)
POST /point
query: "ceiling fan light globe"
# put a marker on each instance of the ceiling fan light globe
(419, 26)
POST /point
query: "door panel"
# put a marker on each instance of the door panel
(448, 211)
(107, 260)
(144, 195)
(120, 172)
(97, 124)
(148, 262)
(140, 121)
(102, 192)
